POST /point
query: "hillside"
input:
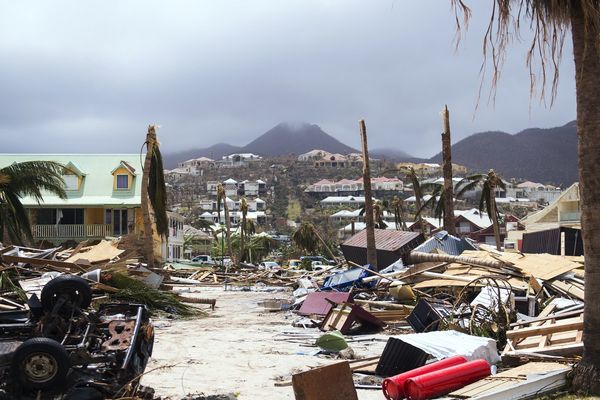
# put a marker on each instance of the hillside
(288, 138)
(542, 155)
(282, 139)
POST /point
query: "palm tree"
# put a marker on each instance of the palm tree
(488, 182)
(154, 195)
(244, 211)
(28, 178)
(551, 21)
(397, 205)
(379, 207)
(435, 202)
(416, 184)
(307, 238)
(222, 199)
(369, 224)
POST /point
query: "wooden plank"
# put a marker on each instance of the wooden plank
(331, 382)
(545, 329)
(570, 289)
(62, 266)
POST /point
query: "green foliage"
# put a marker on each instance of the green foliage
(156, 300)
(28, 178)
(306, 238)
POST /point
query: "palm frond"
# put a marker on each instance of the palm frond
(31, 178)
(157, 192)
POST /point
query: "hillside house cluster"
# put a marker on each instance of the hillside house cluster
(350, 187)
(234, 188)
(324, 159)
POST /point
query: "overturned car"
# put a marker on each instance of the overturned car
(59, 348)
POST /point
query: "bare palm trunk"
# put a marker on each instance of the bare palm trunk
(228, 227)
(370, 226)
(447, 169)
(419, 205)
(148, 247)
(242, 237)
(587, 65)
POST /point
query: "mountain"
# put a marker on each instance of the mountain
(542, 155)
(391, 154)
(284, 138)
(287, 138)
(215, 152)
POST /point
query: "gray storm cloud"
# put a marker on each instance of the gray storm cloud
(90, 76)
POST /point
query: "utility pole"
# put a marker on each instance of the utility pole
(370, 225)
(447, 170)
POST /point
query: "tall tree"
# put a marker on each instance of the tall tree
(416, 185)
(369, 220)
(28, 178)
(447, 170)
(243, 226)
(153, 196)
(551, 20)
(222, 199)
(397, 205)
(487, 200)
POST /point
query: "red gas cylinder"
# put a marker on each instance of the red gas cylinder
(393, 387)
(443, 381)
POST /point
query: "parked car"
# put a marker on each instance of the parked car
(319, 260)
(60, 346)
(268, 265)
(294, 263)
(203, 259)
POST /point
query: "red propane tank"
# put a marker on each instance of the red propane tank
(445, 380)
(393, 387)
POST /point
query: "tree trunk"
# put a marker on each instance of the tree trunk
(587, 73)
(495, 220)
(418, 205)
(447, 169)
(242, 236)
(370, 226)
(228, 227)
(147, 218)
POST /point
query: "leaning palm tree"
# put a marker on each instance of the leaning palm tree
(550, 24)
(435, 202)
(28, 178)
(244, 211)
(153, 196)
(307, 238)
(488, 183)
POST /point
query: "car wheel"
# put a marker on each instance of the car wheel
(40, 364)
(74, 287)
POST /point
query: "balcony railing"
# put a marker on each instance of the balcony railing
(72, 231)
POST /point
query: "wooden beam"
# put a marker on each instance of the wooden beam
(545, 329)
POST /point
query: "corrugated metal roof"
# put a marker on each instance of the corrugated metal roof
(447, 243)
(385, 240)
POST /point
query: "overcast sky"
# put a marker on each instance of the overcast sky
(89, 76)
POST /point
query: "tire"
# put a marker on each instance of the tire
(77, 288)
(41, 364)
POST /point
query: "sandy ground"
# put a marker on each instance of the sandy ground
(238, 349)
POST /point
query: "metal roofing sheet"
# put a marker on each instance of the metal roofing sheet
(386, 240)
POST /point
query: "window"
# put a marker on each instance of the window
(71, 181)
(122, 182)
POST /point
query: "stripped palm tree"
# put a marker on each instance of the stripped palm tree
(222, 199)
(28, 178)
(488, 183)
(153, 196)
(244, 211)
(550, 24)
(379, 208)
